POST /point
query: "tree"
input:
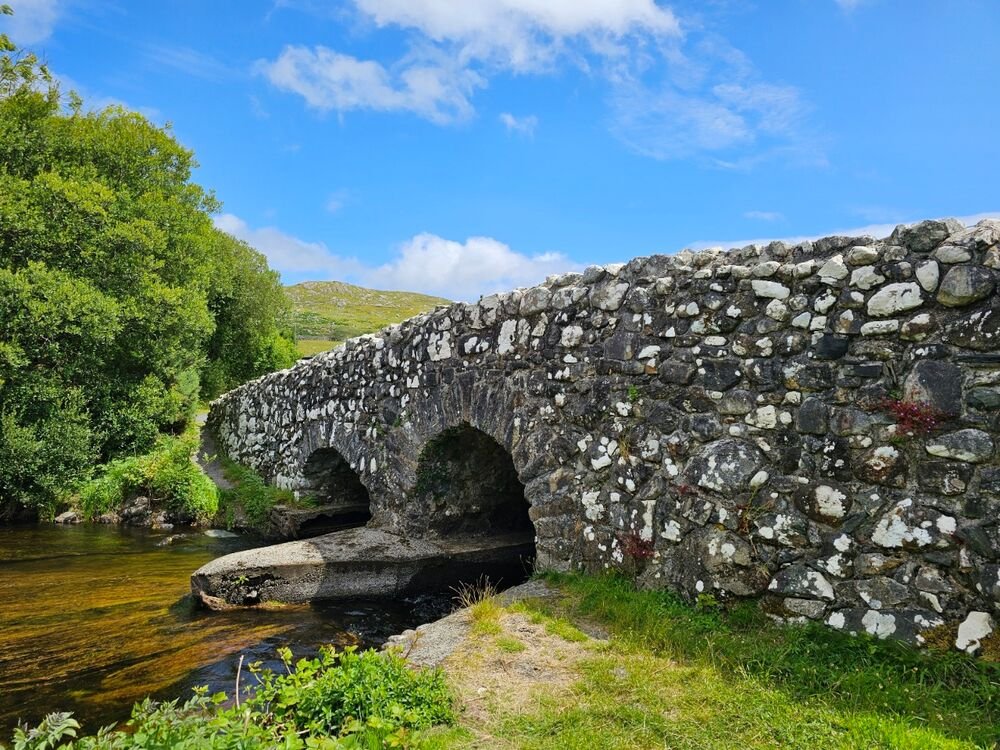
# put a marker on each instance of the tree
(117, 294)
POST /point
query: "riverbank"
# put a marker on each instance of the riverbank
(584, 662)
(589, 663)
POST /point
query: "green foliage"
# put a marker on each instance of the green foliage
(338, 701)
(251, 494)
(167, 475)
(118, 297)
(869, 693)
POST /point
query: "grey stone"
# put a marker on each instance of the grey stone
(936, 383)
(725, 466)
(969, 445)
(812, 417)
(964, 285)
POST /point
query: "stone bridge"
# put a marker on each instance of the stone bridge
(813, 424)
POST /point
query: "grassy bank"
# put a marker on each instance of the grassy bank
(598, 666)
(672, 676)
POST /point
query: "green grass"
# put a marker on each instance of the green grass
(324, 313)
(167, 475)
(673, 676)
(253, 495)
(310, 347)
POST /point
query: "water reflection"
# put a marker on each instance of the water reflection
(95, 618)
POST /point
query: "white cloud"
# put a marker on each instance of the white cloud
(763, 215)
(336, 201)
(288, 254)
(32, 22)
(523, 34)
(426, 263)
(329, 80)
(523, 125)
(675, 91)
(464, 270)
(871, 230)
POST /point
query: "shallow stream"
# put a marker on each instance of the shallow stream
(94, 618)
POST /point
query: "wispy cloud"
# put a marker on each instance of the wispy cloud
(425, 263)
(336, 200)
(524, 125)
(190, 62)
(94, 101)
(288, 254)
(763, 215)
(464, 270)
(331, 81)
(674, 91)
(33, 20)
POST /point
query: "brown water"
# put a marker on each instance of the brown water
(94, 618)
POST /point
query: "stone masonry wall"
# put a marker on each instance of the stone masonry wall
(814, 424)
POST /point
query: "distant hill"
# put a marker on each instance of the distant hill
(325, 313)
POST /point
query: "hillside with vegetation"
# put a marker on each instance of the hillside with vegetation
(324, 313)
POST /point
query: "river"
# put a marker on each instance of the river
(94, 618)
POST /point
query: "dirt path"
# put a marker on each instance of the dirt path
(207, 457)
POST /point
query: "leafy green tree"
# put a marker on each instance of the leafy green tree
(117, 294)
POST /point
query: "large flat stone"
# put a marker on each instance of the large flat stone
(363, 562)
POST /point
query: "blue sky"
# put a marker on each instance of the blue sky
(463, 146)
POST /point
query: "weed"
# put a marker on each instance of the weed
(913, 418)
(509, 645)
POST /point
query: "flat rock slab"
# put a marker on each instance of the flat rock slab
(301, 523)
(362, 562)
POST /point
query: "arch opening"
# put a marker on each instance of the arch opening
(340, 499)
(468, 491)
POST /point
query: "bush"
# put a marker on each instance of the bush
(337, 701)
(167, 474)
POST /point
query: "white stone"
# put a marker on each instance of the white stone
(802, 320)
(823, 304)
(879, 624)
(830, 501)
(928, 274)
(952, 254)
(571, 336)
(648, 352)
(895, 298)
(879, 327)
(833, 270)
(972, 631)
(866, 278)
(759, 479)
(505, 340)
(776, 309)
(862, 255)
(770, 289)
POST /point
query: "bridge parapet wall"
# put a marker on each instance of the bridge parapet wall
(813, 424)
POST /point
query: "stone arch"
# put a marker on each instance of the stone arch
(328, 477)
(467, 483)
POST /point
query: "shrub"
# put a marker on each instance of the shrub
(167, 474)
(337, 701)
